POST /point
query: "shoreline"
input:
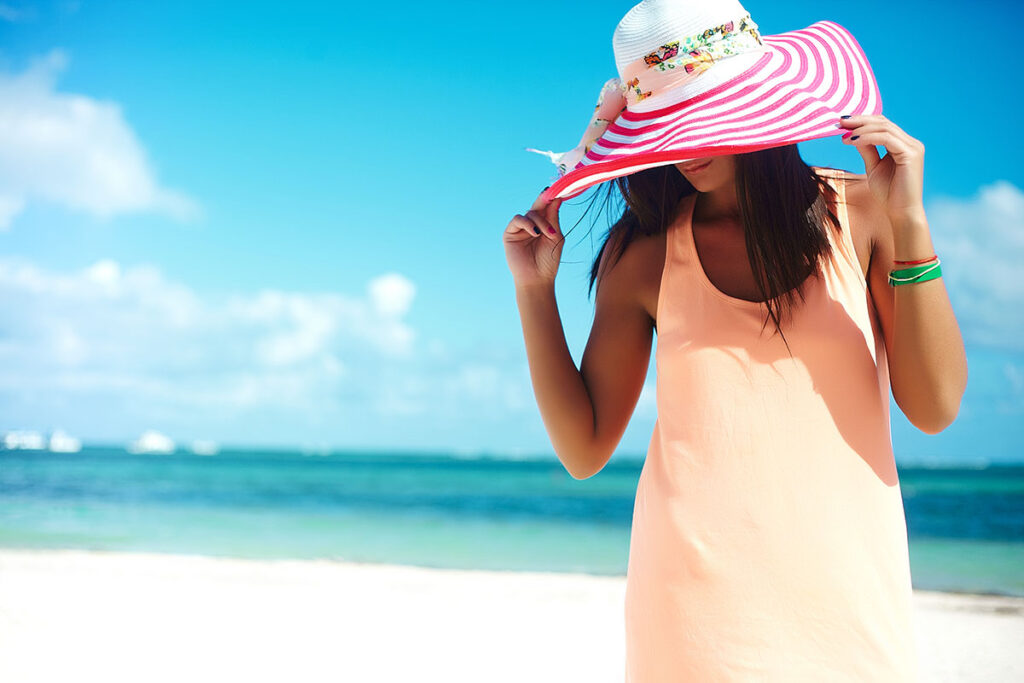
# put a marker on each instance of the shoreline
(113, 616)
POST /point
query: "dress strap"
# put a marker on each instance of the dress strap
(842, 239)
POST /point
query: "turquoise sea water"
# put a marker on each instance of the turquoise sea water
(966, 526)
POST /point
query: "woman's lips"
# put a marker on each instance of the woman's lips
(694, 169)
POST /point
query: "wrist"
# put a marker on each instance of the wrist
(536, 287)
(909, 219)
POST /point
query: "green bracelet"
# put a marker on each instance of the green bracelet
(923, 273)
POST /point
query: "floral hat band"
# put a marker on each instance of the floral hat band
(672, 65)
(679, 61)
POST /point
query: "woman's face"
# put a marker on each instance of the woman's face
(708, 173)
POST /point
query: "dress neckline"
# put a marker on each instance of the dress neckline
(699, 267)
(691, 202)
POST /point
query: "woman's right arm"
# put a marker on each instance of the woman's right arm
(586, 410)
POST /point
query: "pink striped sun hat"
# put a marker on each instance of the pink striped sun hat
(697, 79)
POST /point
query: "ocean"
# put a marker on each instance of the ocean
(965, 525)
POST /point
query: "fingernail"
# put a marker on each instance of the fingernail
(536, 230)
(845, 117)
(855, 137)
(551, 230)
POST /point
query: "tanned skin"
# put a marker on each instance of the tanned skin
(586, 410)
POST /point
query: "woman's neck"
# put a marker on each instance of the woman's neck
(717, 205)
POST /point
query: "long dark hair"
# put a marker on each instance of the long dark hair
(784, 206)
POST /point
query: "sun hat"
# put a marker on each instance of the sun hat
(697, 79)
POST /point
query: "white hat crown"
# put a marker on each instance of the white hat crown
(651, 24)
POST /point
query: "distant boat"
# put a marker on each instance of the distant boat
(152, 441)
(24, 440)
(204, 447)
(61, 442)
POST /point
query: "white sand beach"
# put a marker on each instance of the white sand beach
(85, 616)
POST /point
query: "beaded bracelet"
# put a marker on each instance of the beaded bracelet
(922, 273)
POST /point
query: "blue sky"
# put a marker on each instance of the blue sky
(280, 225)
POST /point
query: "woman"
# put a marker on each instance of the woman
(768, 539)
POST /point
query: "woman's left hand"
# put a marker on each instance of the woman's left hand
(897, 180)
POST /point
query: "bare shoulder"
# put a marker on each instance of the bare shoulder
(636, 273)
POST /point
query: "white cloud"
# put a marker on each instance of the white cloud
(391, 294)
(980, 242)
(10, 207)
(113, 348)
(463, 391)
(108, 328)
(73, 151)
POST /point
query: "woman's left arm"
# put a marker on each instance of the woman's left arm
(924, 346)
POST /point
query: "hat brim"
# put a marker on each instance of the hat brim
(796, 91)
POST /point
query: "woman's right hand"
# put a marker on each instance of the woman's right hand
(533, 244)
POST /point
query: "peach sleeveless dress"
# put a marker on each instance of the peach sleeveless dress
(769, 540)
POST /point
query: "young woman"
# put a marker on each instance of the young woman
(768, 539)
